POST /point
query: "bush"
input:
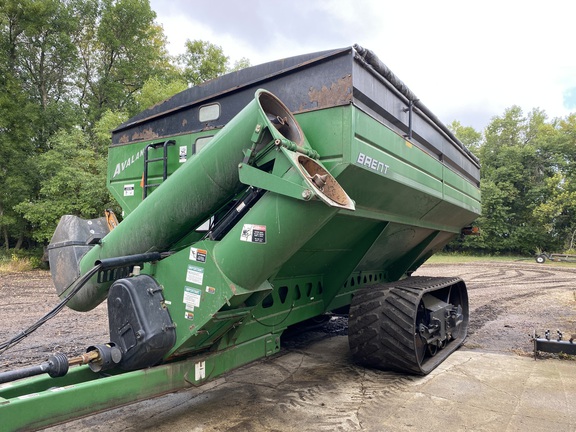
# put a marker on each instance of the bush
(15, 261)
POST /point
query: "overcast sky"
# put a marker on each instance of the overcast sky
(465, 60)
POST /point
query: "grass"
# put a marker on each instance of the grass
(457, 258)
(15, 263)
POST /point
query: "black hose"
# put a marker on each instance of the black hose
(78, 284)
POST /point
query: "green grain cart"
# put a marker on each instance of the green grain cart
(256, 201)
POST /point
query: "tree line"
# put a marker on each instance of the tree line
(73, 70)
(528, 183)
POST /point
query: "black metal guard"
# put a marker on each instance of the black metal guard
(111, 269)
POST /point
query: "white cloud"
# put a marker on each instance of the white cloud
(472, 58)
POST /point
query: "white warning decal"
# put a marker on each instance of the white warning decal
(183, 154)
(129, 190)
(192, 298)
(195, 275)
(200, 370)
(197, 255)
(253, 233)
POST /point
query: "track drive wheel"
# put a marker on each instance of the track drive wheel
(411, 325)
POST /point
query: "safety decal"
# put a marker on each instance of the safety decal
(183, 154)
(195, 275)
(200, 370)
(129, 190)
(189, 315)
(198, 255)
(253, 233)
(210, 290)
(192, 297)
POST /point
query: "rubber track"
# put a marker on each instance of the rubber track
(381, 327)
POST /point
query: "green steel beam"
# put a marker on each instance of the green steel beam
(39, 402)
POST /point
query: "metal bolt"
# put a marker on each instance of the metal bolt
(307, 194)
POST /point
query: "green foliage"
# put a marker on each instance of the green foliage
(471, 138)
(16, 261)
(73, 183)
(557, 213)
(243, 63)
(120, 49)
(70, 72)
(109, 121)
(156, 90)
(202, 61)
(528, 183)
(513, 176)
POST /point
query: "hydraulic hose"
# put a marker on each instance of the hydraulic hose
(77, 285)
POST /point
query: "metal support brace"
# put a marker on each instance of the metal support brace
(263, 180)
(410, 111)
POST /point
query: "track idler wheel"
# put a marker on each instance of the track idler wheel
(411, 325)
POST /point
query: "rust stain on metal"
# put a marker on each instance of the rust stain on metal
(124, 139)
(184, 122)
(339, 93)
(146, 134)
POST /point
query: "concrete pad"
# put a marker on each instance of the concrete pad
(318, 388)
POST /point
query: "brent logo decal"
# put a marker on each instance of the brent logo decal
(371, 163)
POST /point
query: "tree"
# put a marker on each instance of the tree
(101, 133)
(74, 179)
(202, 61)
(471, 138)
(243, 63)
(557, 213)
(518, 159)
(156, 90)
(121, 48)
(18, 117)
(70, 72)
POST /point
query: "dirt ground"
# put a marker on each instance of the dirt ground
(508, 302)
(26, 297)
(312, 384)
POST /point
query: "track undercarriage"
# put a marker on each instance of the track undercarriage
(411, 325)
